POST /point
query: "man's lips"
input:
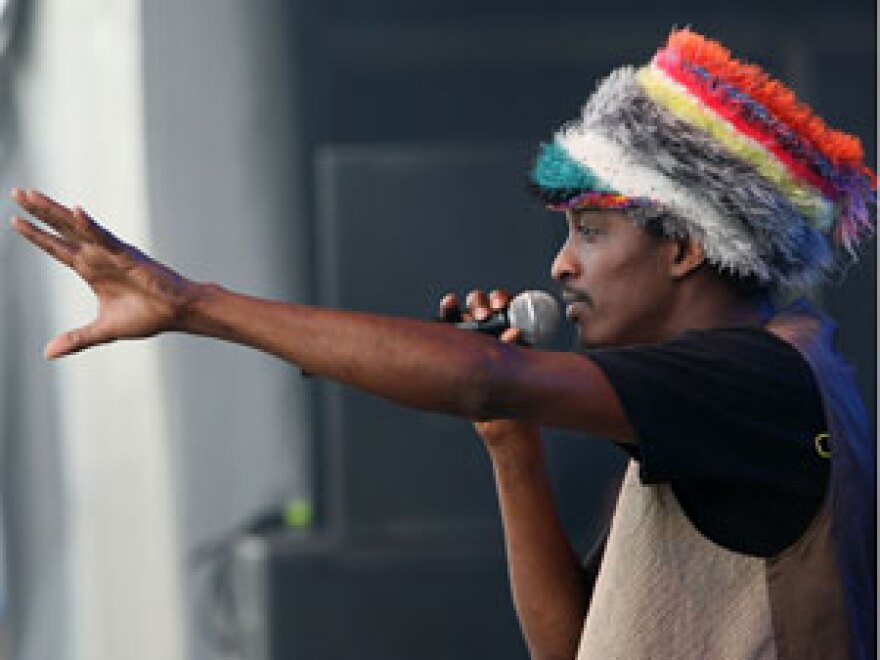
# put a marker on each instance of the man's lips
(575, 302)
(572, 296)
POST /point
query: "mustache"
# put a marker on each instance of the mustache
(570, 296)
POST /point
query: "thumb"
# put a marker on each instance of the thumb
(511, 335)
(74, 341)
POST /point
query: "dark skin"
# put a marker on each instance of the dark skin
(623, 285)
(604, 265)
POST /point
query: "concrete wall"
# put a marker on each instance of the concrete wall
(226, 206)
(95, 553)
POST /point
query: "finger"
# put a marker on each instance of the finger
(499, 299)
(478, 304)
(75, 222)
(450, 312)
(88, 226)
(49, 211)
(74, 341)
(49, 243)
(511, 336)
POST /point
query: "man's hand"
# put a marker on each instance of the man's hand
(497, 434)
(547, 582)
(137, 296)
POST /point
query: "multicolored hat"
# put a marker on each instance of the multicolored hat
(722, 153)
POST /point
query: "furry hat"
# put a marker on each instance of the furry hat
(722, 153)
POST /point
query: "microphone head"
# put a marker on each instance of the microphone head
(536, 315)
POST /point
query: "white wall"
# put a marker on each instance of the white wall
(223, 157)
(81, 138)
(172, 125)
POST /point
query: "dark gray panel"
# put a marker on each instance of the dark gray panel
(431, 602)
(399, 226)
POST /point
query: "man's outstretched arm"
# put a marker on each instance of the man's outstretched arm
(421, 364)
(426, 365)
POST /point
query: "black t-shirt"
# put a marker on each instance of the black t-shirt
(728, 418)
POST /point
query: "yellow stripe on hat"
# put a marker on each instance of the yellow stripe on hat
(672, 96)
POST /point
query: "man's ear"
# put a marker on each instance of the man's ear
(688, 255)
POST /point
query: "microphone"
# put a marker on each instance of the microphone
(534, 313)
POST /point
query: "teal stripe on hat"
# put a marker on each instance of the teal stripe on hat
(556, 170)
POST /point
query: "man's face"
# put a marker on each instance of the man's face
(614, 278)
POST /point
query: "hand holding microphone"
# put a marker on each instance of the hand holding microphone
(530, 317)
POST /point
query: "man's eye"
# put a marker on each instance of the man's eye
(586, 230)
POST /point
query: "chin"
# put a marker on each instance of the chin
(586, 340)
(590, 338)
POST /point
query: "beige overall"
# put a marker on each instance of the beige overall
(665, 591)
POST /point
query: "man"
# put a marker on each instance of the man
(695, 189)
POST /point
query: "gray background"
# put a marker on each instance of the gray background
(384, 146)
(370, 155)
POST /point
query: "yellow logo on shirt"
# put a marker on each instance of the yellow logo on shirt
(822, 448)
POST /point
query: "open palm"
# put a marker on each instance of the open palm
(137, 296)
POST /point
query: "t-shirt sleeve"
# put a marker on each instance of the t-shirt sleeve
(727, 406)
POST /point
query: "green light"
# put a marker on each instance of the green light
(298, 514)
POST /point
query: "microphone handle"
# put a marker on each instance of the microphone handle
(494, 324)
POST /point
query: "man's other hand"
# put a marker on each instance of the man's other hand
(137, 296)
(497, 434)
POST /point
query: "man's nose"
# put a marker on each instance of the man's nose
(565, 265)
